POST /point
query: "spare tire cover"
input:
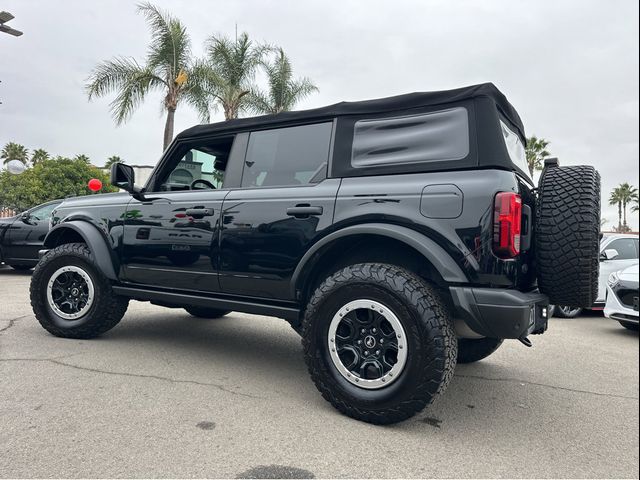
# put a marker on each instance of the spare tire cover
(567, 234)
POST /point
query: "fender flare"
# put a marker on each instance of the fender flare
(94, 239)
(427, 247)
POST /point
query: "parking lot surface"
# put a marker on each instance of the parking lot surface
(168, 395)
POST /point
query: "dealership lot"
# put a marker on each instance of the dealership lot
(168, 395)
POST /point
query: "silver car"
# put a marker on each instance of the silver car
(617, 251)
(622, 297)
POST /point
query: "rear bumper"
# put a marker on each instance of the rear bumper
(500, 313)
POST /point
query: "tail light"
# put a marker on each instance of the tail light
(507, 221)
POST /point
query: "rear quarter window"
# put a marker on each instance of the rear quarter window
(432, 137)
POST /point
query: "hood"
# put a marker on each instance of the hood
(118, 198)
(629, 274)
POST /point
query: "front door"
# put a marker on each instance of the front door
(284, 205)
(171, 239)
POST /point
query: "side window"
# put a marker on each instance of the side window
(424, 138)
(43, 213)
(626, 248)
(203, 164)
(287, 156)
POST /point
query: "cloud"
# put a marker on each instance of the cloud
(570, 68)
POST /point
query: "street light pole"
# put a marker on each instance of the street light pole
(4, 18)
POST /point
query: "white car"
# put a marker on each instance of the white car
(622, 297)
(617, 251)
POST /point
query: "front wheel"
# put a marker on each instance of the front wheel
(564, 311)
(70, 296)
(378, 342)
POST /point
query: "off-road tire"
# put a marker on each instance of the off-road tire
(474, 349)
(567, 234)
(431, 342)
(203, 312)
(21, 268)
(105, 312)
(629, 325)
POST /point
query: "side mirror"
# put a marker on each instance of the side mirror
(123, 176)
(609, 254)
(25, 216)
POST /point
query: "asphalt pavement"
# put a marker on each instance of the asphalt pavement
(168, 395)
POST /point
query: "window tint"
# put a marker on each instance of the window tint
(43, 213)
(425, 138)
(626, 248)
(287, 156)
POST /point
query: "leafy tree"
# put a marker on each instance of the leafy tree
(536, 152)
(229, 72)
(48, 180)
(284, 91)
(168, 68)
(113, 159)
(39, 155)
(82, 157)
(14, 151)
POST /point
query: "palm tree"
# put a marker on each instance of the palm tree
(536, 152)
(615, 198)
(626, 192)
(168, 67)
(284, 91)
(39, 155)
(634, 201)
(113, 159)
(14, 151)
(82, 157)
(229, 72)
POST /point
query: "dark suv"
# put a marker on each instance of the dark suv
(398, 236)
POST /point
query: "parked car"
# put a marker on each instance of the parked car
(22, 236)
(622, 297)
(617, 251)
(397, 236)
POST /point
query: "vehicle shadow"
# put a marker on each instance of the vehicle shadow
(8, 271)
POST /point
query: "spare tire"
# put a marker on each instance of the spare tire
(567, 234)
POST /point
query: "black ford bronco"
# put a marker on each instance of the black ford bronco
(398, 237)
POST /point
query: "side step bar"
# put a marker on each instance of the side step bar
(179, 299)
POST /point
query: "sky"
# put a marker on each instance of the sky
(569, 67)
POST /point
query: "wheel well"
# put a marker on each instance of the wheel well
(62, 236)
(366, 248)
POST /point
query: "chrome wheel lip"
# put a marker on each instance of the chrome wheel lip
(90, 290)
(393, 374)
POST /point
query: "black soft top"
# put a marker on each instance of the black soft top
(381, 105)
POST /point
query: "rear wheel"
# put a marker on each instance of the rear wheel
(567, 234)
(70, 296)
(629, 325)
(378, 342)
(203, 312)
(474, 349)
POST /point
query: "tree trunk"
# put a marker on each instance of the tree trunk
(624, 213)
(168, 128)
(619, 216)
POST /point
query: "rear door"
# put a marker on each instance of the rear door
(285, 203)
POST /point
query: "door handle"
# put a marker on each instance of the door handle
(199, 212)
(303, 211)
